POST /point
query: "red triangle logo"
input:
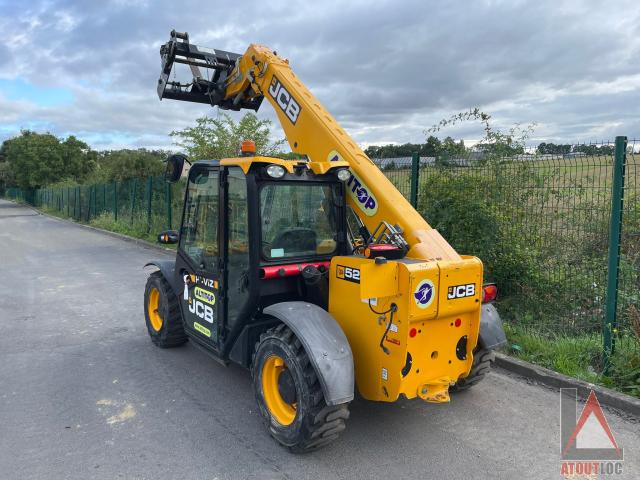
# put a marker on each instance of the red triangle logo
(592, 406)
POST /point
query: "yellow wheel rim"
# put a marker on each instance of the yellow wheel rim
(154, 316)
(283, 412)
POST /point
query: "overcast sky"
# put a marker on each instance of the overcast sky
(386, 70)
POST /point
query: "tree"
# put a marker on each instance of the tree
(216, 138)
(432, 147)
(594, 150)
(123, 164)
(79, 159)
(553, 149)
(35, 160)
(5, 176)
(450, 148)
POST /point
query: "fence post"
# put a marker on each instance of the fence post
(115, 200)
(149, 195)
(615, 233)
(94, 198)
(415, 172)
(90, 204)
(79, 201)
(167, 197)
(133, 197)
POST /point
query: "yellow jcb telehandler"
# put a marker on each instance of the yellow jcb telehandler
(315, 274)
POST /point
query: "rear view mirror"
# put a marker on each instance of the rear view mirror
(175, 164)
(168, 237)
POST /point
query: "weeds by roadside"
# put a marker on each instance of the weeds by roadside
(579, 356)
(135, 228)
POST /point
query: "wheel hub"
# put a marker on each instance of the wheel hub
(278, 390)
(286, 386)
(152, 309)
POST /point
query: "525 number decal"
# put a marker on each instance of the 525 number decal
(349, 274)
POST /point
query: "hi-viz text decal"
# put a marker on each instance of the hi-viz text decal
(203, 301)
(362, 195)
(285, 100)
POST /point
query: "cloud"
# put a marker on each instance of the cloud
(386, 70)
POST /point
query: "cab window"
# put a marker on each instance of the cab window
(298, 220)
(238, 250)
(199, 238)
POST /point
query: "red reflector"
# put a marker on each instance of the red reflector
(412, 332)
(390, 252)
(381, 247)
(489, 293)
(458, 322)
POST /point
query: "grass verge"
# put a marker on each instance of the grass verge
(579, 356)
(131, 227)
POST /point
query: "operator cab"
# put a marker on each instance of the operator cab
(255, 231)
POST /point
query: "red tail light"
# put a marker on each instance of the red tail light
(489, 293)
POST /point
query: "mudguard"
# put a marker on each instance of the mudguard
(167, 268)
(492, 335)
(325, 343)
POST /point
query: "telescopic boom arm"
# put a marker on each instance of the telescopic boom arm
(242, 81)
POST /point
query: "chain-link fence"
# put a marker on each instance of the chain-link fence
(559, 234)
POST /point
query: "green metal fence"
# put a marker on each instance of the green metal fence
(560, 234)
(138, 206)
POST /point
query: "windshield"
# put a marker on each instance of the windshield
(298, 220)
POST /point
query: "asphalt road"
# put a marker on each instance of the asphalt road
(84, 393)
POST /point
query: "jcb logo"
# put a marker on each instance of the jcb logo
(285, 101)
(203, 311)
(461, 291)
(347, 273)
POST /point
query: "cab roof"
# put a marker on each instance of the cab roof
(245, 163)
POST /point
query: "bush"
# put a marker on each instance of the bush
(467, 210)
(497, 213)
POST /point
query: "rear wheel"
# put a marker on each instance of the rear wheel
(482, 361)
(289, 394)
(162, 313)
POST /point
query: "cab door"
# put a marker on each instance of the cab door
(198, 260)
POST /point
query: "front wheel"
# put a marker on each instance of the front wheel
(162, 313)
(289, 394)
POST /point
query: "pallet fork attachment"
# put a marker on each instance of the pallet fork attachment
(206, 88)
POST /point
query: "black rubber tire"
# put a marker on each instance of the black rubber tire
(171, 333)
(482, 361)
(316, 424)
